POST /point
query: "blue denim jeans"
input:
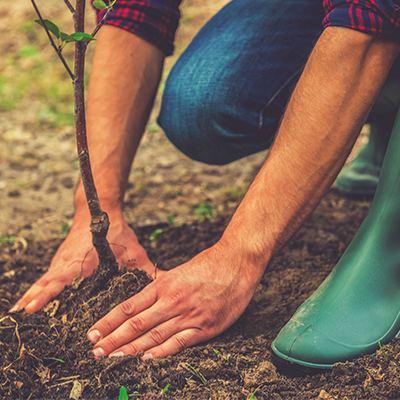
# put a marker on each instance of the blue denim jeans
(225, 96)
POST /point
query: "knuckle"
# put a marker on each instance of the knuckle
(131, 348)
(127, 308)
(176, 298)
(105, 325)
(180, 342)
(136, 324)
(157, 336)
(112, 342)
(43, 281)
(162, 353)
(207, 323)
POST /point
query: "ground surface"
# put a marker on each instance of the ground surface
(32, 346)
(38, 172)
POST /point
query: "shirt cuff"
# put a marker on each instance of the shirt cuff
(380, 18)
(153, 20)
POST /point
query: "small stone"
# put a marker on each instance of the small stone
(76, 391)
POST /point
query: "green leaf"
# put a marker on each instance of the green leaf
(166, 387)
(100, 5)
(55, 359)
(82, 37)
(65, 228)
(156, 234)
(123, 394)
(7, 239)
(51, 26)
(66, 38)
(205, 210)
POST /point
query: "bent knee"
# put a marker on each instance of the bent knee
(212, 129)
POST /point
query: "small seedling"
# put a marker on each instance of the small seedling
(123, 394)
(7, 239)
(205, 211)
(171, 219)
(383, 352)
(156, 234)
(65, 228)
(136, 392)
(166, 388)
(55, 359)
(197, 374)
(204, 186)
(218, 353)
(234, 191)
(253, 395)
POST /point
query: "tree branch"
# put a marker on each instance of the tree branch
(101, 23)
(58, 51)
(69, 5)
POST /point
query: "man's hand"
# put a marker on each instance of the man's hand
(77, 257)
(187, 305)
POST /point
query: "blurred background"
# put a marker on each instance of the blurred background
(38, 160)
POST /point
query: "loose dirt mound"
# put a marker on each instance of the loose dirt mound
(43, 356)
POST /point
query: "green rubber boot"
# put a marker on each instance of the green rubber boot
(358, 305)
(361, 176)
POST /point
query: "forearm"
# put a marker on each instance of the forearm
(324, 116)
(124, 79)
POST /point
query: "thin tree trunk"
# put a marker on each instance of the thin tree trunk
(99, 219)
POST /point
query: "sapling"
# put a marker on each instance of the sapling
(99, 220)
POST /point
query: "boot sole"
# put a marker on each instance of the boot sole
(294, 368)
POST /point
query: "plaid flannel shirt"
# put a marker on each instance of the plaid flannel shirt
(153, 20)
(157, 20)
(380, 18)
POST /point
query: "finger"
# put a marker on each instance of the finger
(176, 343)
(152, 338)
(41, 291)
(130, 330)
(31, 293)
(42, 297)
(123, 312)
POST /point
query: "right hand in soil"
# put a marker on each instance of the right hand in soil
(185, 306)
(77, 257)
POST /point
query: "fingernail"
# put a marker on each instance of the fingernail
(98, 352)
(147, 356)
(14, 309)
(32, 305)
(94, 336)
(117, 354)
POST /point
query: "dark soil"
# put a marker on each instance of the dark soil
(46, 355)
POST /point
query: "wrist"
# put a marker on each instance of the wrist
(242, 253)
(112, 205)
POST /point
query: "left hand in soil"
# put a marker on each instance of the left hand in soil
(185, 306)
(76, 257)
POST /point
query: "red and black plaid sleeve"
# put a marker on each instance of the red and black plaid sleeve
(380, 18)
(153, 20)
